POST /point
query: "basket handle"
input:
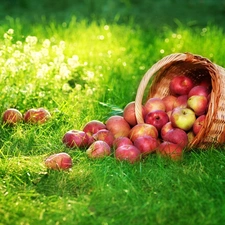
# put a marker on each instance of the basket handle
(146, 78)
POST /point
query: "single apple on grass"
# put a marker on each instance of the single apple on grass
(104, 135)
(170, 150)
(197, 126)
(39, 115)
(128, 153)
(182, 118)
(93, 127)
(98, 149)
(118, 126)
(199, 90)
(121, 141)
(129, 113)
(199, 104)
(177, 136)
(59, 161)
(12, 116)
(157, 118)
(153, 104)
(142, 129)
(181, 85)
(169, 102)
(76, 139)
(146, 144)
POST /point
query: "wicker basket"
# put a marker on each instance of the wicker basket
(198, 68)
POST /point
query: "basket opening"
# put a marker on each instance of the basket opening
(160, 83)
(199, 69)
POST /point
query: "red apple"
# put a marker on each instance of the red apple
(157, 118)
(129, 113)
(198, 103)
(170, 150)
(177, 136)
(169, 102)
(118, 126)
(59, 161)
(93, 127)
(98, 149)
(39, 115)
(128, 153)
(121, 141)
(153, 104)
(142, 129)
(199, 90)
(146, 144)
(76, 139)
(198, 124)
(166, 128)
(181, 85)
(12, 116)
(104, 135)
(182, 118)
(181, 101)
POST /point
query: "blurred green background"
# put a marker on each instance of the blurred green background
(157, 14)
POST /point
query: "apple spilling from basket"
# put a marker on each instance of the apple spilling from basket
(170, 123)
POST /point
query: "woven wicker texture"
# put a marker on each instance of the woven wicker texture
(198, 68)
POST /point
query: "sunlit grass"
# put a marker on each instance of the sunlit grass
(82, 71)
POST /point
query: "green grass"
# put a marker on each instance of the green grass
(109, 62)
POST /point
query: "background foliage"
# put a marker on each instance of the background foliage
(144, 12)
(83, 60)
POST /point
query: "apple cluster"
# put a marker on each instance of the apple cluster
(13, 116)
(180, 115)
(170, 123)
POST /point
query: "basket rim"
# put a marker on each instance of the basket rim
(169, 60)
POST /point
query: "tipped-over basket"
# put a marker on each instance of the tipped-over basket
(198, 68)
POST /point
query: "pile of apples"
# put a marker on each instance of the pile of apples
(170, 124)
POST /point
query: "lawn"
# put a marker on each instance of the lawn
(80, 71)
